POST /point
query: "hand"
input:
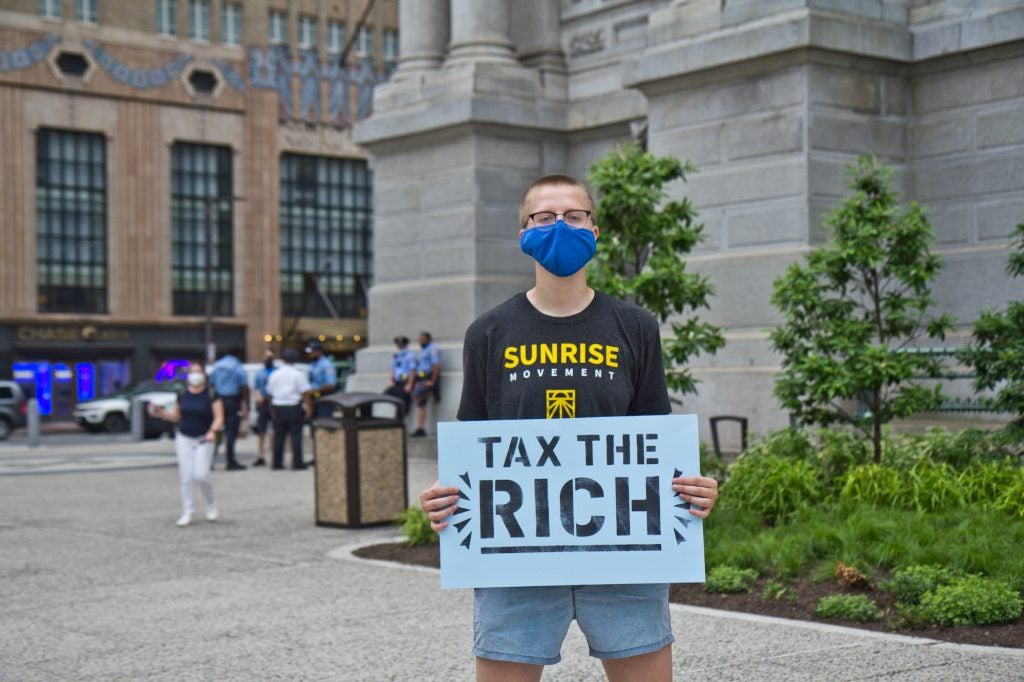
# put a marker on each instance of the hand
(209, 437)
(439, 502)
(700, 491)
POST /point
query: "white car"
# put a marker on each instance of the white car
(113, 413)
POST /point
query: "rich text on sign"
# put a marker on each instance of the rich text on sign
(570, 502)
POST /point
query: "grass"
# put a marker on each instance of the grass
(813, 541)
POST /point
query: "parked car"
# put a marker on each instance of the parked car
(13, 408)
(113, 413)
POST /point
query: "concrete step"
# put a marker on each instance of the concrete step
(422, 448)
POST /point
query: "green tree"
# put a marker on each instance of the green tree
(854, 309)
(640, 253)
(997, 348)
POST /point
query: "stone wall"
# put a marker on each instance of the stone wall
(771, 99)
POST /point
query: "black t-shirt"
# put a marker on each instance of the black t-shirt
(196, 410)
(604, 361)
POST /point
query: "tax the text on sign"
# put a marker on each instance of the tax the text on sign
(570, 502)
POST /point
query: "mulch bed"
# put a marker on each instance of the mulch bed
(797, 602)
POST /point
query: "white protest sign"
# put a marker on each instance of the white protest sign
(570, 502)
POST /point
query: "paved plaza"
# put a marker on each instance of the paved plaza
(97, 583)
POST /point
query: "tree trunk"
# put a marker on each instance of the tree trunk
(876, 436)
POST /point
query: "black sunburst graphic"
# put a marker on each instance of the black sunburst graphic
(684, 505)
(460, 525)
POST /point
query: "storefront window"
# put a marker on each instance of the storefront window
(326, 236)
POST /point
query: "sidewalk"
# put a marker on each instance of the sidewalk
(99, 584)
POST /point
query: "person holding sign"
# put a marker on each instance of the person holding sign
(562, 350)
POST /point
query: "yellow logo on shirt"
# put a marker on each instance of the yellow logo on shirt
(561, 403)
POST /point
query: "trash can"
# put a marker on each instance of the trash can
(361, 465)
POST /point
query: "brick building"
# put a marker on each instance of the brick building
(170, 162)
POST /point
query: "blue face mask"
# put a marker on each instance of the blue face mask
(560, 249)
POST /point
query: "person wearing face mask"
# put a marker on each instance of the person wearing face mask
(601, 357)
(425, 381)
(403, 362)
(198, 417)
(263, 418)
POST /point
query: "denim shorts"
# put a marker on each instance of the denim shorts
(528, 624)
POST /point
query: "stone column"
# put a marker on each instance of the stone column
(534, 29)
(422, 44)
(452, 150)
(480, 32)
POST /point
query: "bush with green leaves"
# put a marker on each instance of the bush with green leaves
(416, 527)
(910, 583)
(729, 579)
(645, 237)
(932, 487)
(971, 600)
(839, 450)
(928, 486)
(1011, 500)
(788, 443)
(874, 485)
(853, 607)
(771, 487)
(854, 307)
(962, 448)
(880, 539)
(711, 464)
(776, 591)
(996, 350)
(985, 485)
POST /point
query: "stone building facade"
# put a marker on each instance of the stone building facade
(770, 98)
(132, 129)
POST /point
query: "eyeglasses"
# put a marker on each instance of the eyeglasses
(576, 217)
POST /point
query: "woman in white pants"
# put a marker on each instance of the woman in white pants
(198, 417)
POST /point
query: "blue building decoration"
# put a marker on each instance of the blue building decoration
(274, 69)
(15, 60)
(270, 68)
(233, 78)
(140, 79)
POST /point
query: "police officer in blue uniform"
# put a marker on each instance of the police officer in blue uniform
(231, 386)
(323, 377)
(259, 385)
(402, 365)
(425, 381)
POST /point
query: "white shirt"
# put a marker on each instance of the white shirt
(285, 386)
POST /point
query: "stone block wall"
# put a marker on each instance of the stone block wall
(771, 99)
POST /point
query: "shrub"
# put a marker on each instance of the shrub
(875, 485)
(774, 591)
(729, 579)
(972, 600)
(933, 487)
(711, 464)
(911, 583)
(840, 450)
(784, 444)
(985, 483)
(416, 527)
(1012, 498)
(855, 607)
(771, 487)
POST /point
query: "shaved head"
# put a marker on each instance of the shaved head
(553, 181)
